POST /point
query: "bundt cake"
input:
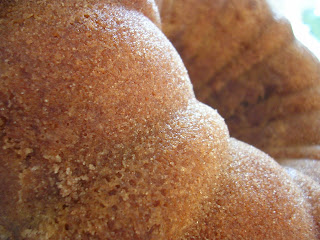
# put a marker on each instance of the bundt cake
(244, 61)
(102, 136)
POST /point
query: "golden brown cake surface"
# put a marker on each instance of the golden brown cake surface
(244, 61)
(102, 137)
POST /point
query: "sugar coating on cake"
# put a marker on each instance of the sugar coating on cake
(102, 137)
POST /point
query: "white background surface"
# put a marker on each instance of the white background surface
(292, 10)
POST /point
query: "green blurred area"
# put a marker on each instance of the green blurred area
(313, 21)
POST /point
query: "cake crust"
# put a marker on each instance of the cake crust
(102, 136)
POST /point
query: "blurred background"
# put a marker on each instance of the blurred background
(304, 16)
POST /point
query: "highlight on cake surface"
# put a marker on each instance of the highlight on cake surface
(104, 133)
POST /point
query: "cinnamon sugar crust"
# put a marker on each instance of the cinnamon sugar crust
(102, 136)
